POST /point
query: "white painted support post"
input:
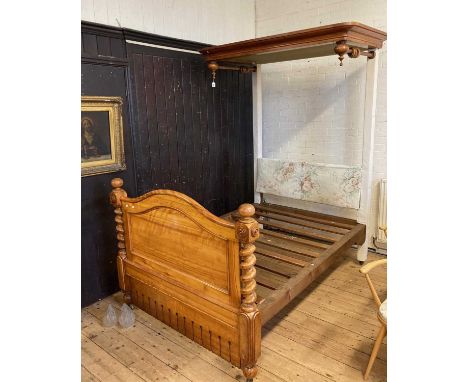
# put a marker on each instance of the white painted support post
(257, 124)
(368, 151)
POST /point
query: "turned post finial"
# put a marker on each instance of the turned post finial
(117, 193)
(117, 183)
(246, 210)
(246, 226)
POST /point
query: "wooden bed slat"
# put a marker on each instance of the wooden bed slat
(269, 279)
(302, 222)
(261, 281)
(294, 255)
(283, 295)
(278, 245)
(275, 255)
(297, 230)
(277, 266)
(307, 215)
(294, 239)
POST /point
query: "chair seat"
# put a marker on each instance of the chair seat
(383, 310)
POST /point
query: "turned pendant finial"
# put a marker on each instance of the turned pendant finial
(341, 49)
(213, 66)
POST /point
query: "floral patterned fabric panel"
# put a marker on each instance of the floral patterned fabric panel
(320, 183)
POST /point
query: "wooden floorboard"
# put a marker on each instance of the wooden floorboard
(325, 335)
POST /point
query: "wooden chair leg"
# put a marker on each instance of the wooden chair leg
(375, 350)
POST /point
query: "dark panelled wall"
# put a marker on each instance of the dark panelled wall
(179, 133)
(189, 136)
(103, 73)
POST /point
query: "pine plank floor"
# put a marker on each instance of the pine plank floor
(326, 334)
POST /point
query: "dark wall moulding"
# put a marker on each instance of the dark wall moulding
(155, 39)
(134, 35)
(100, 29)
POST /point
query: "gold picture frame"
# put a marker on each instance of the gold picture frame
(102, 144)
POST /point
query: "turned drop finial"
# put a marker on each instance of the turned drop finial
(341, 49)
(213, 66)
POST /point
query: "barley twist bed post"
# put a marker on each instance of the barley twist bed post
(247, 231)
(115, 197)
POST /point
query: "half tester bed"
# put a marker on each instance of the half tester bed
(217, 280)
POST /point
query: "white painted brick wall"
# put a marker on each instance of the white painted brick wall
(313, 109)
(208, 21)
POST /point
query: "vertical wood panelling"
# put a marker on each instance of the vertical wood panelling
(89, 44)
(196, 126)
(98, 242)
(189, 136)
(171, 123)
(141, 120)
(179, 133)
(188, 124)
(104, 47)
(247, 113)
(103, 73)
(117, 47)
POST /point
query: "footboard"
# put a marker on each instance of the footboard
(190, 269)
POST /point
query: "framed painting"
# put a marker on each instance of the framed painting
(102, 145)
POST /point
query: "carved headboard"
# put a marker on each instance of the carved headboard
(320, 183)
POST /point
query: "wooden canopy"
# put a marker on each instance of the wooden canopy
(306, 43)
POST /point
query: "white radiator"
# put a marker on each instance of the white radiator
(382, 214)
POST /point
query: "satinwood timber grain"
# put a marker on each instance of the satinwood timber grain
(191, 270)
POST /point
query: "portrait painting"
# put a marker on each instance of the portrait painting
(102, 148)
